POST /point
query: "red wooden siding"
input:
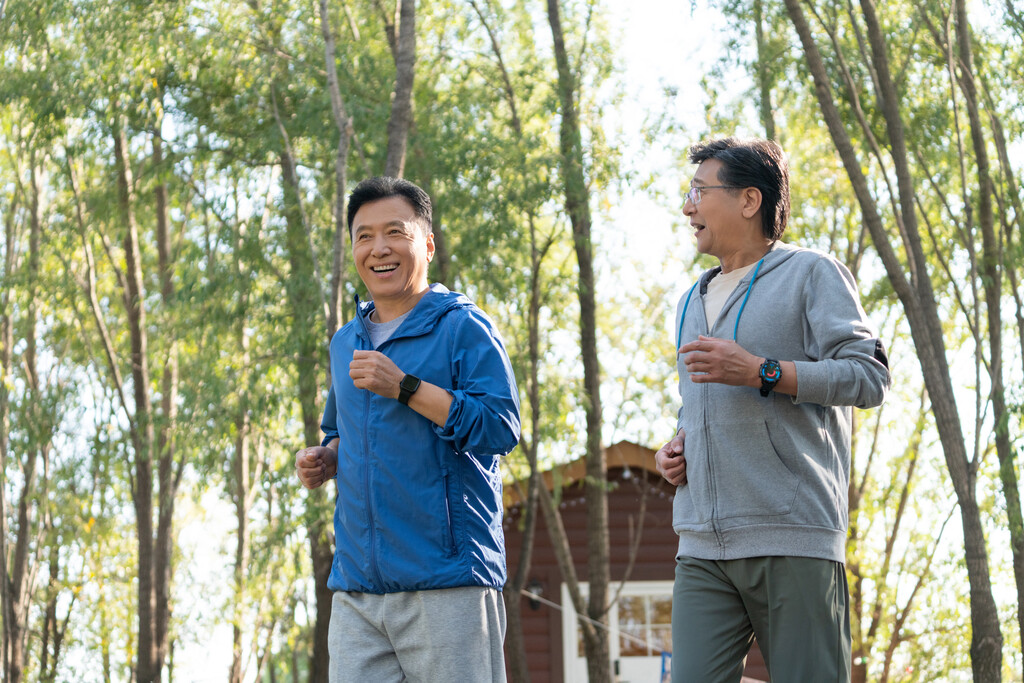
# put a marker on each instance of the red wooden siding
(634, 479)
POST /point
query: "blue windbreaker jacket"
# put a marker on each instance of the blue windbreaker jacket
(419, 506)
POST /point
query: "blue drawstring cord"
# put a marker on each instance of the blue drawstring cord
(679, 335)
(747, 296)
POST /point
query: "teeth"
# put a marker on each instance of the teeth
(383, 269)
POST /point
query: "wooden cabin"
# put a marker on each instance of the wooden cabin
(640, 516)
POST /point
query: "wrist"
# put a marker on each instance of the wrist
(770, 373)
(407, 387)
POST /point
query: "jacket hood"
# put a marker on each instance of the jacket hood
(776, 256)
(431, 307)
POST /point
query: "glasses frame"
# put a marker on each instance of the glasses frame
(693, 194)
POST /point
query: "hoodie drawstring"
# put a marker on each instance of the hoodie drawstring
(747, 296)
(686, 305)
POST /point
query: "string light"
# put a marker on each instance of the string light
(598, 624)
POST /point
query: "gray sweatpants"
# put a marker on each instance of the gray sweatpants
(453, 634)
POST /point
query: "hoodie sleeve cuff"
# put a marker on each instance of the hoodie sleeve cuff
(812, 382)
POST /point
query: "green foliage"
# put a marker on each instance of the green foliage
(209, 76)
(219, 81)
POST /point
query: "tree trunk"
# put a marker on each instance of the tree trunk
(169, 471)
(864, 645)
(19, 568)
(6, 350)
(515, 645)
(321, 545)
(53, 630)
(240, 469)
(918, 301)
(241, 496)
(1016, 527)
(764, 85)
(148, 666)
(992, 280)
(344, 125)
(401, 103)
(577, 206)
(306, 334)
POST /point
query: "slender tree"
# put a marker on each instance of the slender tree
(992, 266)
(919, 302)
(401, 103)
(577, 208)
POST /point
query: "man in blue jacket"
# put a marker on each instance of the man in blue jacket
(774, 350)
(422, 405)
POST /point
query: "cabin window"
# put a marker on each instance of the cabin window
(641, 629)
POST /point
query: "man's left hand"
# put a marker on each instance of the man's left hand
(722, 361)
(376, 372)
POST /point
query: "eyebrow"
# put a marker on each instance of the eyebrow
(362, 227)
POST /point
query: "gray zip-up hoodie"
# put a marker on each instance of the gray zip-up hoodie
(770, 475)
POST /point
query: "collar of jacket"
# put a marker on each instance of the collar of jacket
(438, 301)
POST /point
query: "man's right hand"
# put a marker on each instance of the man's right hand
(315, 465)
(670, 460)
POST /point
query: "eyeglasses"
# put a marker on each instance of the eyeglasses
(694, 193)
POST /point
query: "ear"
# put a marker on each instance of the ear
(430, 247)
(750, 202)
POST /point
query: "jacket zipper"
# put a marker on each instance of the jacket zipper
(366, 472)
(369, 493)
(448, 513)
(707, 437)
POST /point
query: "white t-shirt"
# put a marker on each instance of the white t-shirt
(719, 289)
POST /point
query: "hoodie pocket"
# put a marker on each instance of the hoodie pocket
(692, 507)
(750, 478)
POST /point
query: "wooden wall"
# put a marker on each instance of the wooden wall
(634, 478)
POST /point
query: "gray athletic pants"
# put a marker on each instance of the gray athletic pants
(436, 636)
(797, 607)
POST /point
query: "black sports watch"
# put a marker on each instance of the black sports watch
(771, 373)
(406, 388)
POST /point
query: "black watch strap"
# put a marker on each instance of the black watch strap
(771, 373)
(406, 388)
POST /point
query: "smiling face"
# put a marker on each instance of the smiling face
(391, 250)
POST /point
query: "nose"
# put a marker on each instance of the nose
(380, 246)
(689, 208)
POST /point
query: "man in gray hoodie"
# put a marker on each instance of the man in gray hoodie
(774, 350)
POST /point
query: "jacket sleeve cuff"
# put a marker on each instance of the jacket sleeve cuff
(473, 427)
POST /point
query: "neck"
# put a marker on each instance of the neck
(387, 309)
(744, 257)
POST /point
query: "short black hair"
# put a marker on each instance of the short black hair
(382, 187)
(753, 163)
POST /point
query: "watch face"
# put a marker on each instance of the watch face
(771, 371)
(407, 387)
